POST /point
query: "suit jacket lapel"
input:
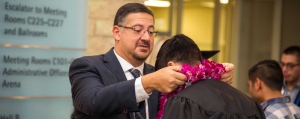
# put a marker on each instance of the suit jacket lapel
(147, 69)
(113, 64)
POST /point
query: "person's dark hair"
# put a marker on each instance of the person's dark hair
(293, 50)
(126, 9)
(269, 72)
(180, 49)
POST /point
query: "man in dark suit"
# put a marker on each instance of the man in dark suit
(118, 84)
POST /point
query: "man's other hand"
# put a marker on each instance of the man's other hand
(228, 75)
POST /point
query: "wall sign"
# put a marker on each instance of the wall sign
(39, 39)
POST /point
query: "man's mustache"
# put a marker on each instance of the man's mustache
(142, 42)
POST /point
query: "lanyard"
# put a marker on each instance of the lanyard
(297, 99)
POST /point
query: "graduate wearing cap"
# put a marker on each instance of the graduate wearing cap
(206, 98)
(209, 54)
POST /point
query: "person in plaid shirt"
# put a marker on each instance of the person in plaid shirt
(265, 83)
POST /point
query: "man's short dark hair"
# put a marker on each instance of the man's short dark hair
(269, 72)
(126, 9)
(180, 49)
(293, 50)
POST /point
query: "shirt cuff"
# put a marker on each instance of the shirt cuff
(140, 93)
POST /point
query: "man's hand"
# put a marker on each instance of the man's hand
(164, 80)
(228, 75)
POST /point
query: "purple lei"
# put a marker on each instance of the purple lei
(205, 70)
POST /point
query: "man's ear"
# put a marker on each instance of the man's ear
(116, 32)
(170, 63)
(258, 84)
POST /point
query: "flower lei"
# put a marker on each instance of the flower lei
(205, 70)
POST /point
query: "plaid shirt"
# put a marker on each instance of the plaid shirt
(281, 108)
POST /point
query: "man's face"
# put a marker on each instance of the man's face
(138, 46)
(291, 74)
(251, 88)
(253, 92)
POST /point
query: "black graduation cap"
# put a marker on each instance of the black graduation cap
(209, 54)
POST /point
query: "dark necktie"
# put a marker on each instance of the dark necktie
(142, 114)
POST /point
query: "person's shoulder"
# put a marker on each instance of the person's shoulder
(211, 84)
(281, 110)
(206, 87)
(276, 107)
(294, 108)
(275, 111)
(280, 106)
(149, 66)
(270, 115)
(280, 114)
(91, 58)
(98, 58)
(217, 90)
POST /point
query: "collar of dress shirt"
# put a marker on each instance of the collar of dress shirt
(285, 99)
(126, 65)
(285, 85)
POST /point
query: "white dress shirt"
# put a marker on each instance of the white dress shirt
(140, 93)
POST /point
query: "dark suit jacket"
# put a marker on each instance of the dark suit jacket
(101, 90)
(212, 99)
